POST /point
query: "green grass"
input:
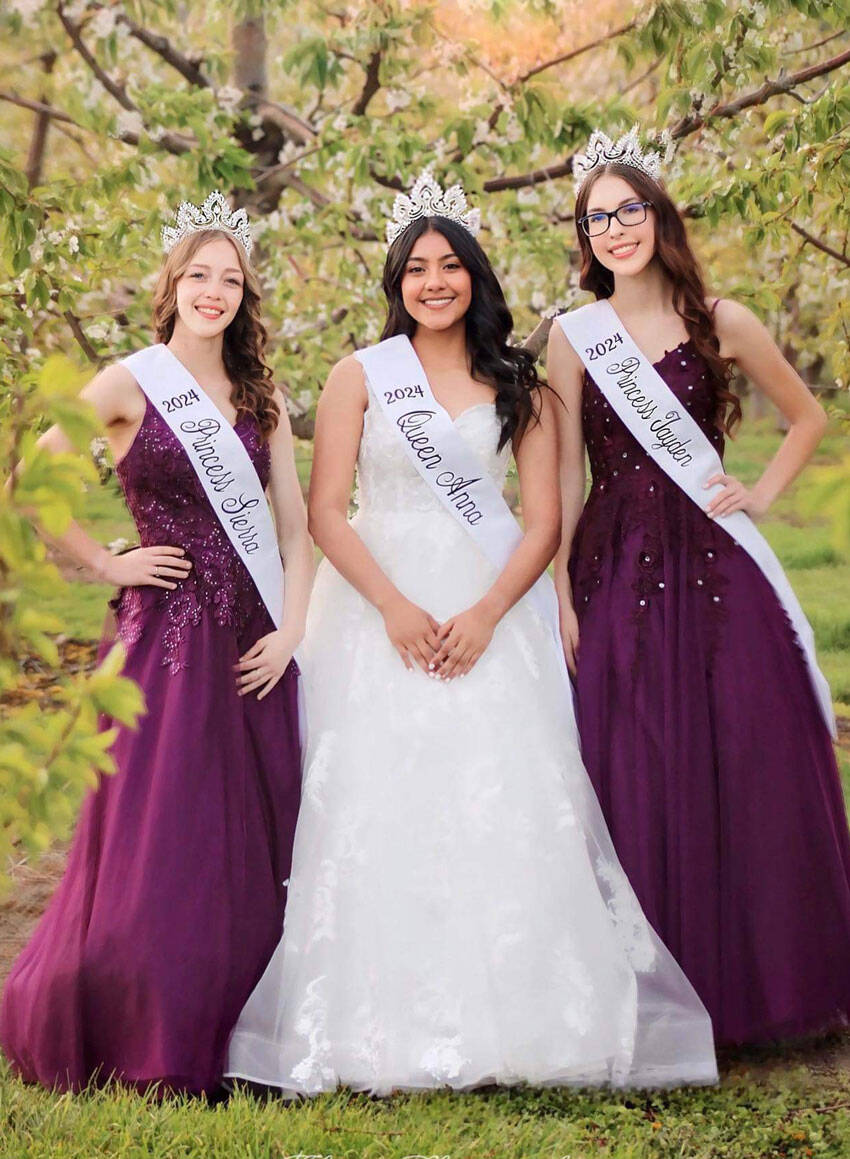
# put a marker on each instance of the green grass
(788, 1114)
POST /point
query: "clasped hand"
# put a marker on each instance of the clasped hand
(440, 650)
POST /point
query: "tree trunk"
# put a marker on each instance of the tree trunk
(249, 48)
(38, 143)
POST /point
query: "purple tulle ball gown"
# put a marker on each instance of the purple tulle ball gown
(173, 898)
(704, 740)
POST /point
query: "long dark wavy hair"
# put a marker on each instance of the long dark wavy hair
(676, 258)
(245, 338)
(489, 323)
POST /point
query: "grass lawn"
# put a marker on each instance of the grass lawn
(769, 1104)
(790, 1113)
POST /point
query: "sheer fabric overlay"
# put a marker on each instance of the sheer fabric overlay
(456, 912)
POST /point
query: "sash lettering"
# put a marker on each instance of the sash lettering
(448, 465)
(222, 464)
(668, 434)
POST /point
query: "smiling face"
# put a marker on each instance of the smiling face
(435, 288)
(209, 291)
(626, 250)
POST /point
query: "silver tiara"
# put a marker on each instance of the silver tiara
(427, 199)
(602, 150)
(215, 213)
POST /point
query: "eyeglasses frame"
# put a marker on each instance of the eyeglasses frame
(582, 221)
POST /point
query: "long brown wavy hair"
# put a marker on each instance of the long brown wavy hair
(676, 258)
(245, 338)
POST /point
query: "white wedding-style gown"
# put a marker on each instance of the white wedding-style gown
(457, 915)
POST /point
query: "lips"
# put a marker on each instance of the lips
(436, 303)
(211, 313)
(625, 250)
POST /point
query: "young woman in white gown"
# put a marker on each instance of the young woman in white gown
(457, 915)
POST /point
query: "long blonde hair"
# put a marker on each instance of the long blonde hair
(245, 338)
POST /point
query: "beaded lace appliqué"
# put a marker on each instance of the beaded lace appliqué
(170, 508)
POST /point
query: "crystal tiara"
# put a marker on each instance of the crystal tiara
(602, 150)
(215, 213)
(427, 199)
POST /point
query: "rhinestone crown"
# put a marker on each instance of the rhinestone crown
(215, 213)
(428, 199)
(602, 150)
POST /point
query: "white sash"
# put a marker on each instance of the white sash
(222, 464)
(452, 470)
(662, 426)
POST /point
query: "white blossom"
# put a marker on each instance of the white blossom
(130, 121)
(482, 131)
(74, 244)
(103, 23)
(27, 8)
(288, 153)
(229, 97)
(397, 99)
(513, 130)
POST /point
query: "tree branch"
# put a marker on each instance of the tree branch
(537, 339)
(817, 44)
(524, 180)
(290, 123)
(163, 47)
(371, 84)
(820, 245)
(81, 337)
(171, 142)
(688, 124)
(575, 52)
(633, 84)
(66, 132)
(38, 107)
(771, 88)
(112, 87)
(35, 158)
(125, 135)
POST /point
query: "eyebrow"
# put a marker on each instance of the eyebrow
(620, 204)
(445, 257)
(202, 266)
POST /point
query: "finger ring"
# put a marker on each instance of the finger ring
(156, 572)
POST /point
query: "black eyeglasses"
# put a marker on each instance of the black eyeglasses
(598, 223)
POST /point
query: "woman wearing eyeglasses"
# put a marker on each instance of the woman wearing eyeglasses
(704, 720)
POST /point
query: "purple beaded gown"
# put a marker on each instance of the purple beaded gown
(173, 898)
(704, 740)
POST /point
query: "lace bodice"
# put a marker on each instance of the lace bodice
(170, 508)
(387, 482)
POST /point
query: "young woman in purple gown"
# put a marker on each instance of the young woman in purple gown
(173, 897)
(699, 724)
